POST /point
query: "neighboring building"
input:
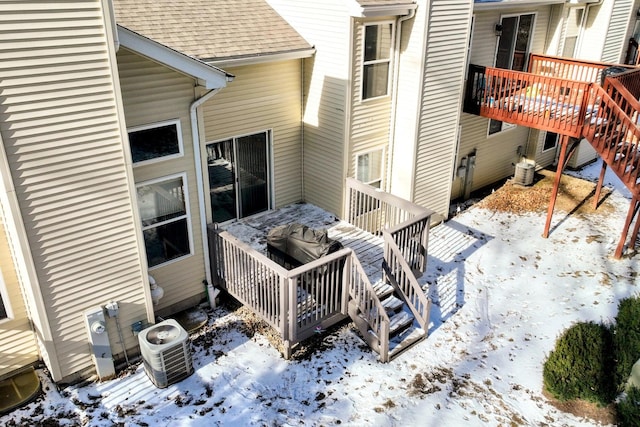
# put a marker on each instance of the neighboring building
(590, 30)
(126, 131)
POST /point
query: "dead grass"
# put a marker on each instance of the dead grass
(604, 415)
(575, 196)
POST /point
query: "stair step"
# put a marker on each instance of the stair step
(382, 289)
(405, 341)
(392, 304)
(399, 322)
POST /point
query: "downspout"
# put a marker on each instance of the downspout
(396, 78)
(195, 136)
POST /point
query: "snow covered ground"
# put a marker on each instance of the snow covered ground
(502, 296)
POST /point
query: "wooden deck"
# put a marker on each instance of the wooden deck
(368, 247)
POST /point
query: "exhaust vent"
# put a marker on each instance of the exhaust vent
(524, 173)
(166, 353)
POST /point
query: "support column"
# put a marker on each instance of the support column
(567, 148)
(633, 212)
(596, 197)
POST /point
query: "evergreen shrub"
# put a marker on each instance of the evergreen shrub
(628, 409)
(582, 365)
(626, 338)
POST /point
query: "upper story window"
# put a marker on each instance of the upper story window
(513, 51)
(369, 167)
(376, 65)
(164, 212)
(158, 141)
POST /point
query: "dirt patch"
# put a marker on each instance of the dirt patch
(574, 196)
(603, 415)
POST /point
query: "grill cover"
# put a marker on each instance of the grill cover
(302, 243)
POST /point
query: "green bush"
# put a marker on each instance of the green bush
(582, 365)
(626, 338)
(628, 409)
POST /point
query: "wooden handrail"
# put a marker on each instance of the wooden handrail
(362, 292)
(404, 281)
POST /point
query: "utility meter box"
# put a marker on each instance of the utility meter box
(99, 341)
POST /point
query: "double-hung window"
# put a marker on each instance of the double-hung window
(376, 65)
(369, 167)
(164, 211)
(155, 142)
(513, 50)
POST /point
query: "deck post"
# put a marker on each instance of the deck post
(596, 198)
(566, 152)
(633, 211)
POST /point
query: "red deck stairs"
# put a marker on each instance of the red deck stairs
(576, 99)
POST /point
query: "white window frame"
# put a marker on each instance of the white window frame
(4, 296)
(270, 167)
(577, 46)
(555, 146)
(383, 151)
(180, 152)
(508, 126)
(186, 216)
(364, 63)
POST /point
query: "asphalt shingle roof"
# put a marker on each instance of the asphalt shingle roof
(211, 30)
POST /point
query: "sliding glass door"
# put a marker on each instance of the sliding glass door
(239, 176)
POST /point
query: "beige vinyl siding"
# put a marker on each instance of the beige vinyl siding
(325, 25)
(495, 154)
(535, 151)
(18, 344)
(447, 33)
(61, 132)
(615, 45)
(264, 97)
(585, 153)
(371, 118)
(153, 93)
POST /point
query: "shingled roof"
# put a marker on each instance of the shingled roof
(211, 30)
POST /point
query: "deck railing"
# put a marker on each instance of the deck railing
(566, 68)
(533, 100)
(400, 274)
(405, 229)
(294, 302)
(370, 309)
(616, 137)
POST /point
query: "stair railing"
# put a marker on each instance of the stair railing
(402, 278)
(616, 137)
(370, 308)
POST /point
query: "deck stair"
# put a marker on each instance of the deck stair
(576, 99)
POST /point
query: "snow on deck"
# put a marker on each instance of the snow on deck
(368, 247)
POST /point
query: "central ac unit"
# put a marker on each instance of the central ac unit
(166, 353)
(525, 173)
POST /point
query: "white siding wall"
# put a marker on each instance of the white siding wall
(17, 339)
(595, 30)
(264, 97)
(62, 137)
(442, 89)
(412, 51)
(615, 41)
(495, 154)
(325, 25)
(153, 93)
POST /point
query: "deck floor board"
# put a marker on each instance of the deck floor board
(368, 247)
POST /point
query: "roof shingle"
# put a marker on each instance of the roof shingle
(211, 30)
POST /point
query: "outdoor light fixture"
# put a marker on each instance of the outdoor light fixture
(498, 30)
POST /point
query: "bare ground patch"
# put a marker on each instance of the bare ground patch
(575, 196)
